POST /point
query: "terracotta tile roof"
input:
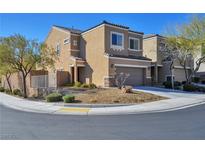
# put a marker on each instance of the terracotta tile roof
(112, 24)
(151, 35)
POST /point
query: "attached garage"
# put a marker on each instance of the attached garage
(136, 75)
(179, 74)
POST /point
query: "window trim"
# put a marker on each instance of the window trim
(116, 46)
(134, 38)
(65, 40)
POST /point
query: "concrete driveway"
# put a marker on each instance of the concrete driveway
(170, 93)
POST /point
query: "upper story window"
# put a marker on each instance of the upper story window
(66, 41)
(117, 40)
(134, 44)
(58, 48)
(75, 42)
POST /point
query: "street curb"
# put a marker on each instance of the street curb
(30, 106)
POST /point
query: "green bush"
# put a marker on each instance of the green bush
(68, 98)
(8, 91)
(183, 82)
(168, 84)
(191, 88)
(77, 84)
(54, 97)
(2, 89)
(202, 89)
(84, 85)
(17, 92)
(92, 85)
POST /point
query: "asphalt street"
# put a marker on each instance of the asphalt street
(187, 123)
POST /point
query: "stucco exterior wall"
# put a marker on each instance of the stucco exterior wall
(93, 50)
(75, 49)
(56, 36)
(150, 48)
(125, 51)
(17, 82)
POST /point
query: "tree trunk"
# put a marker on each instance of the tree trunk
(7, 79)
(171, 71)
(185, 71)
(24, 85)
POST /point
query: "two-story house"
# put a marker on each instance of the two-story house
(201, 72)
(97, 55)
(160, 70)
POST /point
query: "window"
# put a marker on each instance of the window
(117, 40)
(58, 49)
(133, 43)
(66, 41)
(75, 42)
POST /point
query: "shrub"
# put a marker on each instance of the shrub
(190, 87)
(183, 82)
(77, 84)
(195, 79)
(8, 91)
(92, 86)
(202, 89)
(68, 98)
(126, 89)
(54, 97)
(2, 89)
(177, 84)
(168, 84)
(84, 85)
(17, 92)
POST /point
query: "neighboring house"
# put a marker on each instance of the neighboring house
(160, 71)
(97, 55)
(201, 72)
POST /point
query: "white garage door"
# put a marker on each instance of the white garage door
(136, 75)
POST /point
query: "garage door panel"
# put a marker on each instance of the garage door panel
(136, 75)
(179, 75)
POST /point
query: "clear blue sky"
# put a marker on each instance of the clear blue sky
(37, 26)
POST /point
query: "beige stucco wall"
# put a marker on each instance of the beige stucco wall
(127, 34)
(75, 49)
(92, 49)
(17, 82)
(150, 48)
(56, 36)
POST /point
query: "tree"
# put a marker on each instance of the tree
(189, 40)
(120, 79)
(6, 71)
(170, 54)
(25, 55)
(186, 49)
(195, 31)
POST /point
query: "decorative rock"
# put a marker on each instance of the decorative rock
(127, 89)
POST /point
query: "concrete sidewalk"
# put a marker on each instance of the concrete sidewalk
(175, 103)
